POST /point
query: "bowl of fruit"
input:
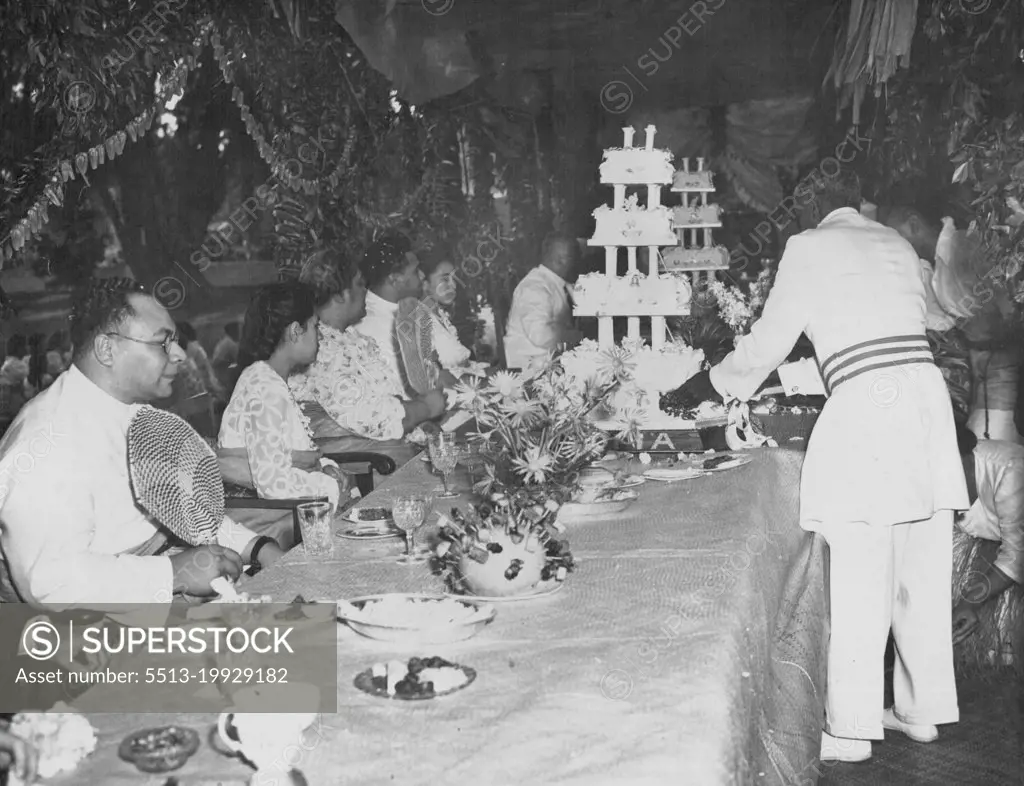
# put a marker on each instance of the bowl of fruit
(414, 680)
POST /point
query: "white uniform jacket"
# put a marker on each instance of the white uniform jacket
(884, 448)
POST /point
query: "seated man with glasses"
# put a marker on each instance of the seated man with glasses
(71, 530)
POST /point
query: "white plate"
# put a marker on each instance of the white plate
(369, 533)
(404, 633)
(542, 590)
(668, 474)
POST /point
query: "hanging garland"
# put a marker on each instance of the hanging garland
(64, 170)
(175, 83)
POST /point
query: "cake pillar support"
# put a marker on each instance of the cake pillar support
(657, 333)
(620, 197)
(605, 332)
(652, 261)
(611, 260)
(653, 196)
(631, 258)
(633, 328)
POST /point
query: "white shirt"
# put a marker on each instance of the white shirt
(539, 319)
(935, 317)
(998, 512)
(67, 512)
(379, 324)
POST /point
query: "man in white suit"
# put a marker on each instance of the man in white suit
(882, 476)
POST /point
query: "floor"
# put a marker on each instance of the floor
(985, 747)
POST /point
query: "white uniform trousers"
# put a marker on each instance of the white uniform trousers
(884, 577)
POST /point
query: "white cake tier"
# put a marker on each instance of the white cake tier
(650, 373)
(694, 181)
(633, 227)
(713, 258)
(697, 217)
(636, 166)
(636, 295)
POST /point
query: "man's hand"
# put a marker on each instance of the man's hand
(23, 755)
(691, 394)
(965, 620)
(195, 568)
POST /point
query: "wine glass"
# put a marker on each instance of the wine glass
(444, 455)
(409, 513)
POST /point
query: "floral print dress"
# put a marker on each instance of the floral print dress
(263, 418)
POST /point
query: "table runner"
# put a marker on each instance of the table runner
(687, 648)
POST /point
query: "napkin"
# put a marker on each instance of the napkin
(802, 378)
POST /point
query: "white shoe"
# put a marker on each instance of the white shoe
(844, 749)
(916, 732)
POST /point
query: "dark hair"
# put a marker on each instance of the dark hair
(17, 346)
(832, 192)
(272, 310)
(557, 243)
(233, 330)
(327, 274)
(433, 257)
(386, 256)
(102, 307)
(966, 440)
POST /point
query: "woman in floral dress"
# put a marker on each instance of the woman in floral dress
(279, 337)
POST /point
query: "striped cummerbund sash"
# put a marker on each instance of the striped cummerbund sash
(871, 355)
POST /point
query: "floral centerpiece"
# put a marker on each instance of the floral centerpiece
(536, 436)
(739, 309)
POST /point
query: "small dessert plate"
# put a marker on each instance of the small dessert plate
(377, 686)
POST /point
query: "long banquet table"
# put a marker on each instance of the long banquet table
(688, 647)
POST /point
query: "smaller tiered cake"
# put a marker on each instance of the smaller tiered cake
(693, 222)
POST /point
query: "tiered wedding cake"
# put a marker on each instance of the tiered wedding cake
(665, 364)
(693, 221)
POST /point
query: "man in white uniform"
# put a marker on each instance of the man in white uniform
(70, 529)
(882, 475)
(540, 318)
(392, 273)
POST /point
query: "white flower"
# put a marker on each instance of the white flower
(506, 384)
(62, 739)
(645, 458)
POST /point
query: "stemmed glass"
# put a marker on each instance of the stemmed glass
(409, 513)
(444, 455)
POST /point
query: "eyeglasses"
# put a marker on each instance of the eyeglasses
(165, 344)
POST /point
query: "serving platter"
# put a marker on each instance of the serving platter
(541, 590)
(365, 682)
(358, 614)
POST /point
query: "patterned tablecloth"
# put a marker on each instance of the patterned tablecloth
(687, 648)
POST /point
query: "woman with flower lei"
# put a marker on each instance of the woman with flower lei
(262, 422)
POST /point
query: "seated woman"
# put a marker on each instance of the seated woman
(988, 554)
(353, 396)
(431, 351)
(262, 423)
